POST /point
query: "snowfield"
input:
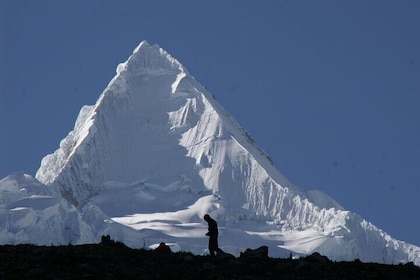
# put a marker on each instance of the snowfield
(157, 152)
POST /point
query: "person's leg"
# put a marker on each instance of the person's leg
(212, 245)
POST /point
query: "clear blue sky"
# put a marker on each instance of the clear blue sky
(329, 89)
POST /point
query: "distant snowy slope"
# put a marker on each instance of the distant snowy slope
(31, 212)
(157, 151)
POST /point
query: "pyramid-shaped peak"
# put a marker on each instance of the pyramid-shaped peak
(156, 152)
(154, 122)
(150, 58)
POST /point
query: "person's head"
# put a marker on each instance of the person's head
(206, 217)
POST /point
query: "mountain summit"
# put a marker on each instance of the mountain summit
(157, 151)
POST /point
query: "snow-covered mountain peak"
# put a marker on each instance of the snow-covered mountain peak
(154, 122)
(157, 151)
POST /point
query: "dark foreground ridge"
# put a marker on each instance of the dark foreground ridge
(116, 261)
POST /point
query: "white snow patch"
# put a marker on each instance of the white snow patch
(178, 79)
(121, 67)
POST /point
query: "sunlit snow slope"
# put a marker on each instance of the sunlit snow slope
(156, 152)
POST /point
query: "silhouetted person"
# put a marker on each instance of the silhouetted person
(213, 234)
(163, 248)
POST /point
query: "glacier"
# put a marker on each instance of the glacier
(157, 152)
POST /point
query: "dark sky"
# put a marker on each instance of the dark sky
(329, 89)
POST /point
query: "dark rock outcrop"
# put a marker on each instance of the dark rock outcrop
(114, 260)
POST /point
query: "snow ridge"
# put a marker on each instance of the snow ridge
(156, 152)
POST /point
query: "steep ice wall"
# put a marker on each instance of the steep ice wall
(154, 122)
(124, 135)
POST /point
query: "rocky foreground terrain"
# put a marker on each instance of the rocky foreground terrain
(110, 260)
